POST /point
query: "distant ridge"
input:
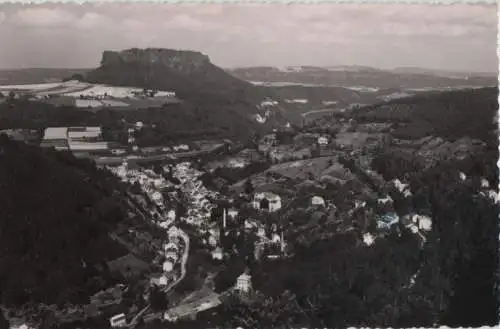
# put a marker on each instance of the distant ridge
(348, 76)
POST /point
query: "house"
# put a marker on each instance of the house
(160, 281)
(118, 321)
(171, 215)
(359, 204)
(157, 197)
(244, 283)
(423, 223)
(212, 240)
(322, 140)
(261, 231)
(462, 176)
(168, 266)
(172, 255)
(385, 200)
(387, 220)
(368, 239)
(317, 201)
(267, 201)
(217, 253)
(232, 213)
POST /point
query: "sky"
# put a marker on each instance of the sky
(458, 37)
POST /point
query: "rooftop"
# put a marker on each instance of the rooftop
(56, 133)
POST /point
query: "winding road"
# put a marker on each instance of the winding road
(133, 323)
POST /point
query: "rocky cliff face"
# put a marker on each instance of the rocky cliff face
(185, 62)
(186, 72)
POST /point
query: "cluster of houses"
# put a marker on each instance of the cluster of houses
(171, 253)
(197, 195)
(150, 182)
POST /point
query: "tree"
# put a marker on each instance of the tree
(249, 187)
(3, 321)
(281, 311)
(136, 188)
(158, 299)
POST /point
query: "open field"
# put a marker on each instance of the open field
(92, 96)
(303, 168)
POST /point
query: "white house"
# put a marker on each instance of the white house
(232, 213)
(317, 201)
(413, 228)
(244, 283)
(261, 231)
(217, 253)
(322, 140)
(368, 239)
(163, 280)
(359, 204)
(424, 222)
(267, 201)
(399, 185)
(157, 197)
(260, 119)
(269, 102)
(118, 320)
(212, 240)
(171, 215)
(169, 317)
(485, 183)
(168, 266)
(463, 177)
(385, 200)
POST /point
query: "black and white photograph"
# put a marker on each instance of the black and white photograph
(249, 165)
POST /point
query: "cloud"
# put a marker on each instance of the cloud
(381, 35)
(92, 20)
(2, 17)
(187, 22)
(43, 17)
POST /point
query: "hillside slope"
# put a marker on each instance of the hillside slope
(450, 115)
(36, 75)
(55, 214)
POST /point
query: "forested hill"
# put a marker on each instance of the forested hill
(55, 214)
(450, 115)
